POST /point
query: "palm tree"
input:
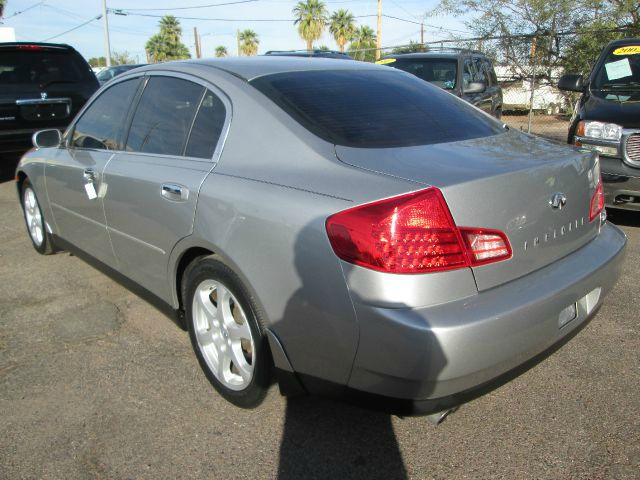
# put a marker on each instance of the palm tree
(249, 42)
(342, 27)
(311, 18)
(167, 44)
(364, 38)
(221, 51)
(170, 28)
(2, 5)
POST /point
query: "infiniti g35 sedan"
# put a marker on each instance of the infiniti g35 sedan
(344, 228)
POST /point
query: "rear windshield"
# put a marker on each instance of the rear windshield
(442, 73)
(42, 67)
(374, 109)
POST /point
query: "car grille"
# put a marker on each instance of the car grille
(632, 148)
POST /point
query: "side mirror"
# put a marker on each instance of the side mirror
(475, 87)
(47, 138)
(572, 83)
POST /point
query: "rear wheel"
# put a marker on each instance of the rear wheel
(225, 332)
(40, 238)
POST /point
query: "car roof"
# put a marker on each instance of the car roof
(61, 46)
(624, 42)
(249, 68)
(453, 54)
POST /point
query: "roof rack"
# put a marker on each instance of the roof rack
(310, 52)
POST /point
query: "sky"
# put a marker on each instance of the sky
(36, 20)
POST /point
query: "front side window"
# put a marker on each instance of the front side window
(101, 124)
(468, 73)
(374, 108)
(164, 116)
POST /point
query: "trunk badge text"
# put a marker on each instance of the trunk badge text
(557, 201)
(557, 233)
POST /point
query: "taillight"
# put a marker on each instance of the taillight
(412, 233)
(597, 201)
(30, 47)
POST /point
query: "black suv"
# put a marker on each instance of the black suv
(42, 85)
(607, 119)
(468, 74)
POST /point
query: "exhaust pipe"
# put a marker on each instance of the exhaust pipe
(438, 418)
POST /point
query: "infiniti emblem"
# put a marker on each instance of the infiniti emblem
(43, 95)
(557, 201)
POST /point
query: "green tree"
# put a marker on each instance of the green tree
(97, 62)
(342, 27)
(121, 58)
(167, 44)
(311, 18)
(221, 51)
(363, 44)
(529, 29)
(249, 43)
(413, 47)
(3, 3)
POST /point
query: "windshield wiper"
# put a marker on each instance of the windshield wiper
(618, 86)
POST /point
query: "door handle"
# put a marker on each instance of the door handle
(175, 192)
(89, 175)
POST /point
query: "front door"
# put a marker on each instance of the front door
(74, 177)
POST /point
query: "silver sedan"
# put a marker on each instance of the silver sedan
(344, 228)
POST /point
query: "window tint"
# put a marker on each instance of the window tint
(164, 116)
(374, 108)
(102, 123)
(207, 127)
(468, 73)
(439, 72)
(42, 66)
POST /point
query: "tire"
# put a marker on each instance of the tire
(229, 342)
(34, 220)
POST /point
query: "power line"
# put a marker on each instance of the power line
(15, 14)
(185, 8)
(131, 13)
(98, 17)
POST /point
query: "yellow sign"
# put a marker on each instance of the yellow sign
(386, 61)
(630, 50)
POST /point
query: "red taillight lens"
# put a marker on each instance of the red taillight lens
(30, 47)
(597, 201)
(412, 233)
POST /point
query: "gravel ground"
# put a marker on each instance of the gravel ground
(95, 383)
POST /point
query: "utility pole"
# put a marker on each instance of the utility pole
(197, 38)
(379, 30)
(421, 36)
(105, 21)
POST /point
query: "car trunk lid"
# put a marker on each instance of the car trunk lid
(503, 182)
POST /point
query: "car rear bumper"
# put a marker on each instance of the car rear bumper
(621, 184)
(430, 355)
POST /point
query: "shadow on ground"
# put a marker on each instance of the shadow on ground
(627, 218)
(326, 439)
(8, 163)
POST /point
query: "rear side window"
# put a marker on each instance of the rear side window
(102, 123)
(374, 109)
(164, 116)
(207, 127)
(33, 65)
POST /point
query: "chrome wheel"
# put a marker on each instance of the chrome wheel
(33, 217)
(223, 334)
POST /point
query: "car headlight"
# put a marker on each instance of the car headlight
(599, 130)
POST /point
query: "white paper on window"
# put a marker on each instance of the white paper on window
(619, 69)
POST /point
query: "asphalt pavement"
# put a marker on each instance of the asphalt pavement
(96, 383)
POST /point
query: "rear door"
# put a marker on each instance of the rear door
(172, 145)
(74, 176)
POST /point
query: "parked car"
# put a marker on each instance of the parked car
(607, 119)
(467, 74)
(409, 250)
(108, 73)
(42, 85)
(309, 53)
